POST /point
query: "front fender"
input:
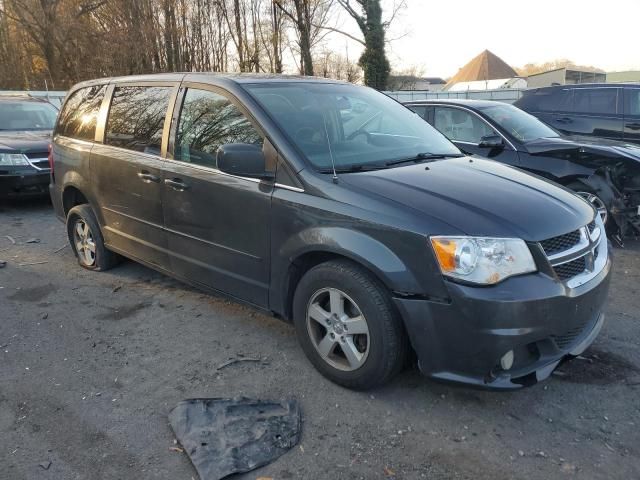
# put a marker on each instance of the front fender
(401, 260)
(358, 246)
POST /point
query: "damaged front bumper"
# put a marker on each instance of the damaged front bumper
(539, 320)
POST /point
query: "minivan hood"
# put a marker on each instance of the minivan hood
(479, 197)
(25, 141)
(590, 144)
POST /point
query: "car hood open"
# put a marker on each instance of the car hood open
(588, 144)
(480, 197)
(25, 141)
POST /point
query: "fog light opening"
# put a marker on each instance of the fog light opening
(506, 362)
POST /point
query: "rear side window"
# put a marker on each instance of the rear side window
(136, 118)
(632, 101)
(420, 110)
(79, 116)
(207, 121)
(595, 100)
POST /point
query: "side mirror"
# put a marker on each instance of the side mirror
(491, 141)
(243, 160)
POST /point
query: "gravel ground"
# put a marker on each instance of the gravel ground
(92, 363)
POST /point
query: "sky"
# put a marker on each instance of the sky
(441, 36)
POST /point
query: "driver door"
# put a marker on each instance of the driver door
(466, 129)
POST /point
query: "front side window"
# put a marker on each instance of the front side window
(136, 118)
(27, 115)
(349, 125)
(79, 116)
(209, 120)
(547, 100)
(460, 125)
(518, 123)
(595, 100)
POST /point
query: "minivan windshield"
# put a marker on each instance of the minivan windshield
(27, 115)
(518, 123)
(357, 126)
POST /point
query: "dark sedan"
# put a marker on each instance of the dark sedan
(25, 133)
(604, 172)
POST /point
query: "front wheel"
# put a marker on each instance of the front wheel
(597, 203)
(348, 327)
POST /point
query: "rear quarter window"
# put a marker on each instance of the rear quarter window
(79, 115)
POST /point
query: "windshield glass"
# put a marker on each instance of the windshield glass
(27, 115)
(357, 126)
(520, 124)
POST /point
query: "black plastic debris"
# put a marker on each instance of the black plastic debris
(223, 436)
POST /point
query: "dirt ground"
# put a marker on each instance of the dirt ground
(92, 363)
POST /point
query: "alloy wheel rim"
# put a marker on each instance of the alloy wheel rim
(84, 243)
(597, 203)
(338, 330)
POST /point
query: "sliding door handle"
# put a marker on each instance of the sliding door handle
(177, 184)
(147, 177)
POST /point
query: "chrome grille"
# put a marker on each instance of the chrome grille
(37, 155)
(40, 160)
(561, 243)
(578, 256)
(570, 269)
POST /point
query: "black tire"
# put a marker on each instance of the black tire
(583, 191)
(103, 259)
(386, 339)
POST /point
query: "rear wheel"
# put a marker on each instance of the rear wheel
(347, 325)
(87, 241)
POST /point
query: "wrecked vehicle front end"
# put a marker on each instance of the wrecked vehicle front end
(602, 168)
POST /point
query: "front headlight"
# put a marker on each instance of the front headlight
(482, 260)
(13, 160)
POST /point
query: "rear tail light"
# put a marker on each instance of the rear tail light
(50, 158)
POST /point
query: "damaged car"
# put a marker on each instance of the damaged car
(334, 207)
(604, 172)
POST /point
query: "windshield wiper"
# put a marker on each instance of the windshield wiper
(424, 156)
(354, 168)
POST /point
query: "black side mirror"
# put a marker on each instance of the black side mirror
(491, 141)
(243, 160)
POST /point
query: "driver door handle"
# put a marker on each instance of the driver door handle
(633, 126)
(177, 184)
(147, 177)
(563, 120)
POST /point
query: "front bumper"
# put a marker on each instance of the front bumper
(24, 184)
(537, 317)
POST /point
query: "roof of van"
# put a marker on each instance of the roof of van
(212, 76)
(586, 85)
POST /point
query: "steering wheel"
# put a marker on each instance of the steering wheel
(361, 128)
(357, 133)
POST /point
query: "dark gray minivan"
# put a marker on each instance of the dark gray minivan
(335, 207)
